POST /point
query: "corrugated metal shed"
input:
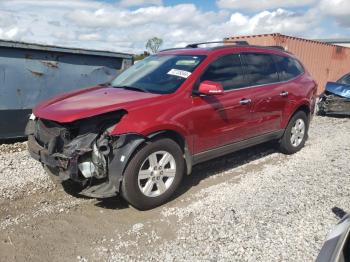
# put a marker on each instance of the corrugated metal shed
(52, 48)
(30, 73)
(324, 61)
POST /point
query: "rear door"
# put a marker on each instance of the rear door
(222, 119)
(268, 102)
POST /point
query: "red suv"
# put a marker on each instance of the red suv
(139, 134)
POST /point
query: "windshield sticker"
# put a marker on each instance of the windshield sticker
(180, 73)
(187, 62)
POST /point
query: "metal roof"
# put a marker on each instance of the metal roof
(277, 35)
(335, 40)
(52, 48)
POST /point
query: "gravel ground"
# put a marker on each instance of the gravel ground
(257, 205)
(281, 212)
(19, 173)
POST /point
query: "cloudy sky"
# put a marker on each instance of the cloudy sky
(126, 25)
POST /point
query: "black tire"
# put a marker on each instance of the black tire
(321, 113)
(285, 143)
(130, 189)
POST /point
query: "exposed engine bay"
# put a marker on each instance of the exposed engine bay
(83, 151)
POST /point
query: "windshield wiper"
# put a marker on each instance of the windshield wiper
(105, 84)
(132, 88)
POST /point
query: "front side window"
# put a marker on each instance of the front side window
(226, 70)
(260, 69)
(288, 67)
(161, 74)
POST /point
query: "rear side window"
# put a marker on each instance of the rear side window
(260, 69)
(226, 70)
(288, 67)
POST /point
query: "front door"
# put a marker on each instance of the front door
(222, 119)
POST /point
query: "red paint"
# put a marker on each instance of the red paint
(210, 88)
(204, 121)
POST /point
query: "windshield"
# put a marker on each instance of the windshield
(345, 80)
(161, 74)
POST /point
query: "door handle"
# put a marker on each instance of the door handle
(245, 101)
(284, 94)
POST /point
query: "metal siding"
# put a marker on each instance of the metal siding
(51, 48)
(325, 62)
(28, 76)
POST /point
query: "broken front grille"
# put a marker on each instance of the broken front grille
(52, 135)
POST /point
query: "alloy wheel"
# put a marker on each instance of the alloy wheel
(297, 132)
(157, 173)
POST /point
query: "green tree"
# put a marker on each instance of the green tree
(141, 56)
(153, 44)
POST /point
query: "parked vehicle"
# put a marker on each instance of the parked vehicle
(335, 100)
(30, 73)
(139, 134)
(337, 245)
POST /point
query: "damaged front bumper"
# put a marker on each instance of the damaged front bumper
(335, 100)
(333, 105)
(85, 155)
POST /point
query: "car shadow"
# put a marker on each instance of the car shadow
(203, 171)
(219, 165)
(340, 116)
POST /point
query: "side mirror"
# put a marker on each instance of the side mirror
(210, 88)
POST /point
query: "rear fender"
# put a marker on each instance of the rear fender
(293, 108)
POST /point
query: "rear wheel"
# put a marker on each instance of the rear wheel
(295, 135)
(153, 174)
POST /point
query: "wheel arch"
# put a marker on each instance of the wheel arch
(180, 140)
(304, 107)
(128, 144)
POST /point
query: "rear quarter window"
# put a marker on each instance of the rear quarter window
(289, 68)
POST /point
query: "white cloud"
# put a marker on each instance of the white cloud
(99, 25)
(90, 37)
(127, 3)
(261, 4)
(115, 17)
(280, 21)
(337, 9)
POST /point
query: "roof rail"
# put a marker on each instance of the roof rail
(195, 45)
(169, 49)
(277, 47)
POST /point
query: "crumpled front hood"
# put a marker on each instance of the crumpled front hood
(90, 102)
(338, 89)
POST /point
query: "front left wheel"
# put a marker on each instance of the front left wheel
(153, 174)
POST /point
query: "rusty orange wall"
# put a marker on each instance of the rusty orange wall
(325, 62)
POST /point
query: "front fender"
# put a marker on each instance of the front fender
(118, 158)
